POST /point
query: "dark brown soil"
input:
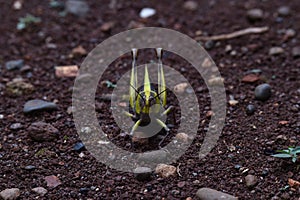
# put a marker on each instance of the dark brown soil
(246, 140)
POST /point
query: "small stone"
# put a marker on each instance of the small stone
(228, 48)
(250, 78)
(153, 156)
(10, 194)
(181, 184)
(79, 51)
(165, 171)
(284, 11)
(233, 102)
(29, 167)
(41, 132)
(255, 14)
(263, 92)
(183, 137)
(190, 5)
(142, 173)
(209, 44)
(210, 194)
(135, 24)
(40, 190)
(250, 109)
(77, 7)
(276, 51)
(52, 181)
(18, 87)
(296, 52)
(38, 105)
(14, 64)
(251, 180)
(180, 88)
(66, 71)
(107, 26)
(216, 81)
(78, 146)
(16, 126)
(147, 12)
(17, 5)
(289, 33)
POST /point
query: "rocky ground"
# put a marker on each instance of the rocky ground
(43, 43)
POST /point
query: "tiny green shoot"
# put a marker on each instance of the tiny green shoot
(291, 152)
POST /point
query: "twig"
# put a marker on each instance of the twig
(252, 30)
(178, 170)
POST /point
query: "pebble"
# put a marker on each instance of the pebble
(14, 64)
(233, 102)
(251, 180)
(153, 156)
(190, 5)
(142, 173)
(284, 11)
(40, 190)
(107, 26)
(78, 146)
(250, 109)
(255, 14)
(216, 81)
(77, 7)
(66, 71)
(183, 137)
(10, 194)
(18, 87)
(38, 105)
(16, 126)
(52, 181)
(79, 51)
(41, 132)
(211, 194)
(29, 167)
(296, 52)
(209, 44)
(263, 92)
(180, 88)
(276, 51)
(147, 12)
(250, 78)
(165, 171)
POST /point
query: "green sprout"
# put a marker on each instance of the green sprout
(291, 152)
(27, 20)
(110, 84)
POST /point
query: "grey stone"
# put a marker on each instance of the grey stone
(250, 109)
(41, 131)
(263, 92)
(18, 87)
(16, 126)
(77, 7)
(210, 194)
(38, 105)
(40, 190)
(296, 52)
(142, 173)
(14, 64)
(276, 51)
(255, 14)
(154, 156)
(284, 11)
(251, 180)
(10, 194)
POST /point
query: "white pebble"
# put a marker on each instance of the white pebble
(147, 12)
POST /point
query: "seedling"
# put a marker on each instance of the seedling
(27, 20)
(291, 152)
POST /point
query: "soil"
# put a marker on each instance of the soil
(246, 140)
